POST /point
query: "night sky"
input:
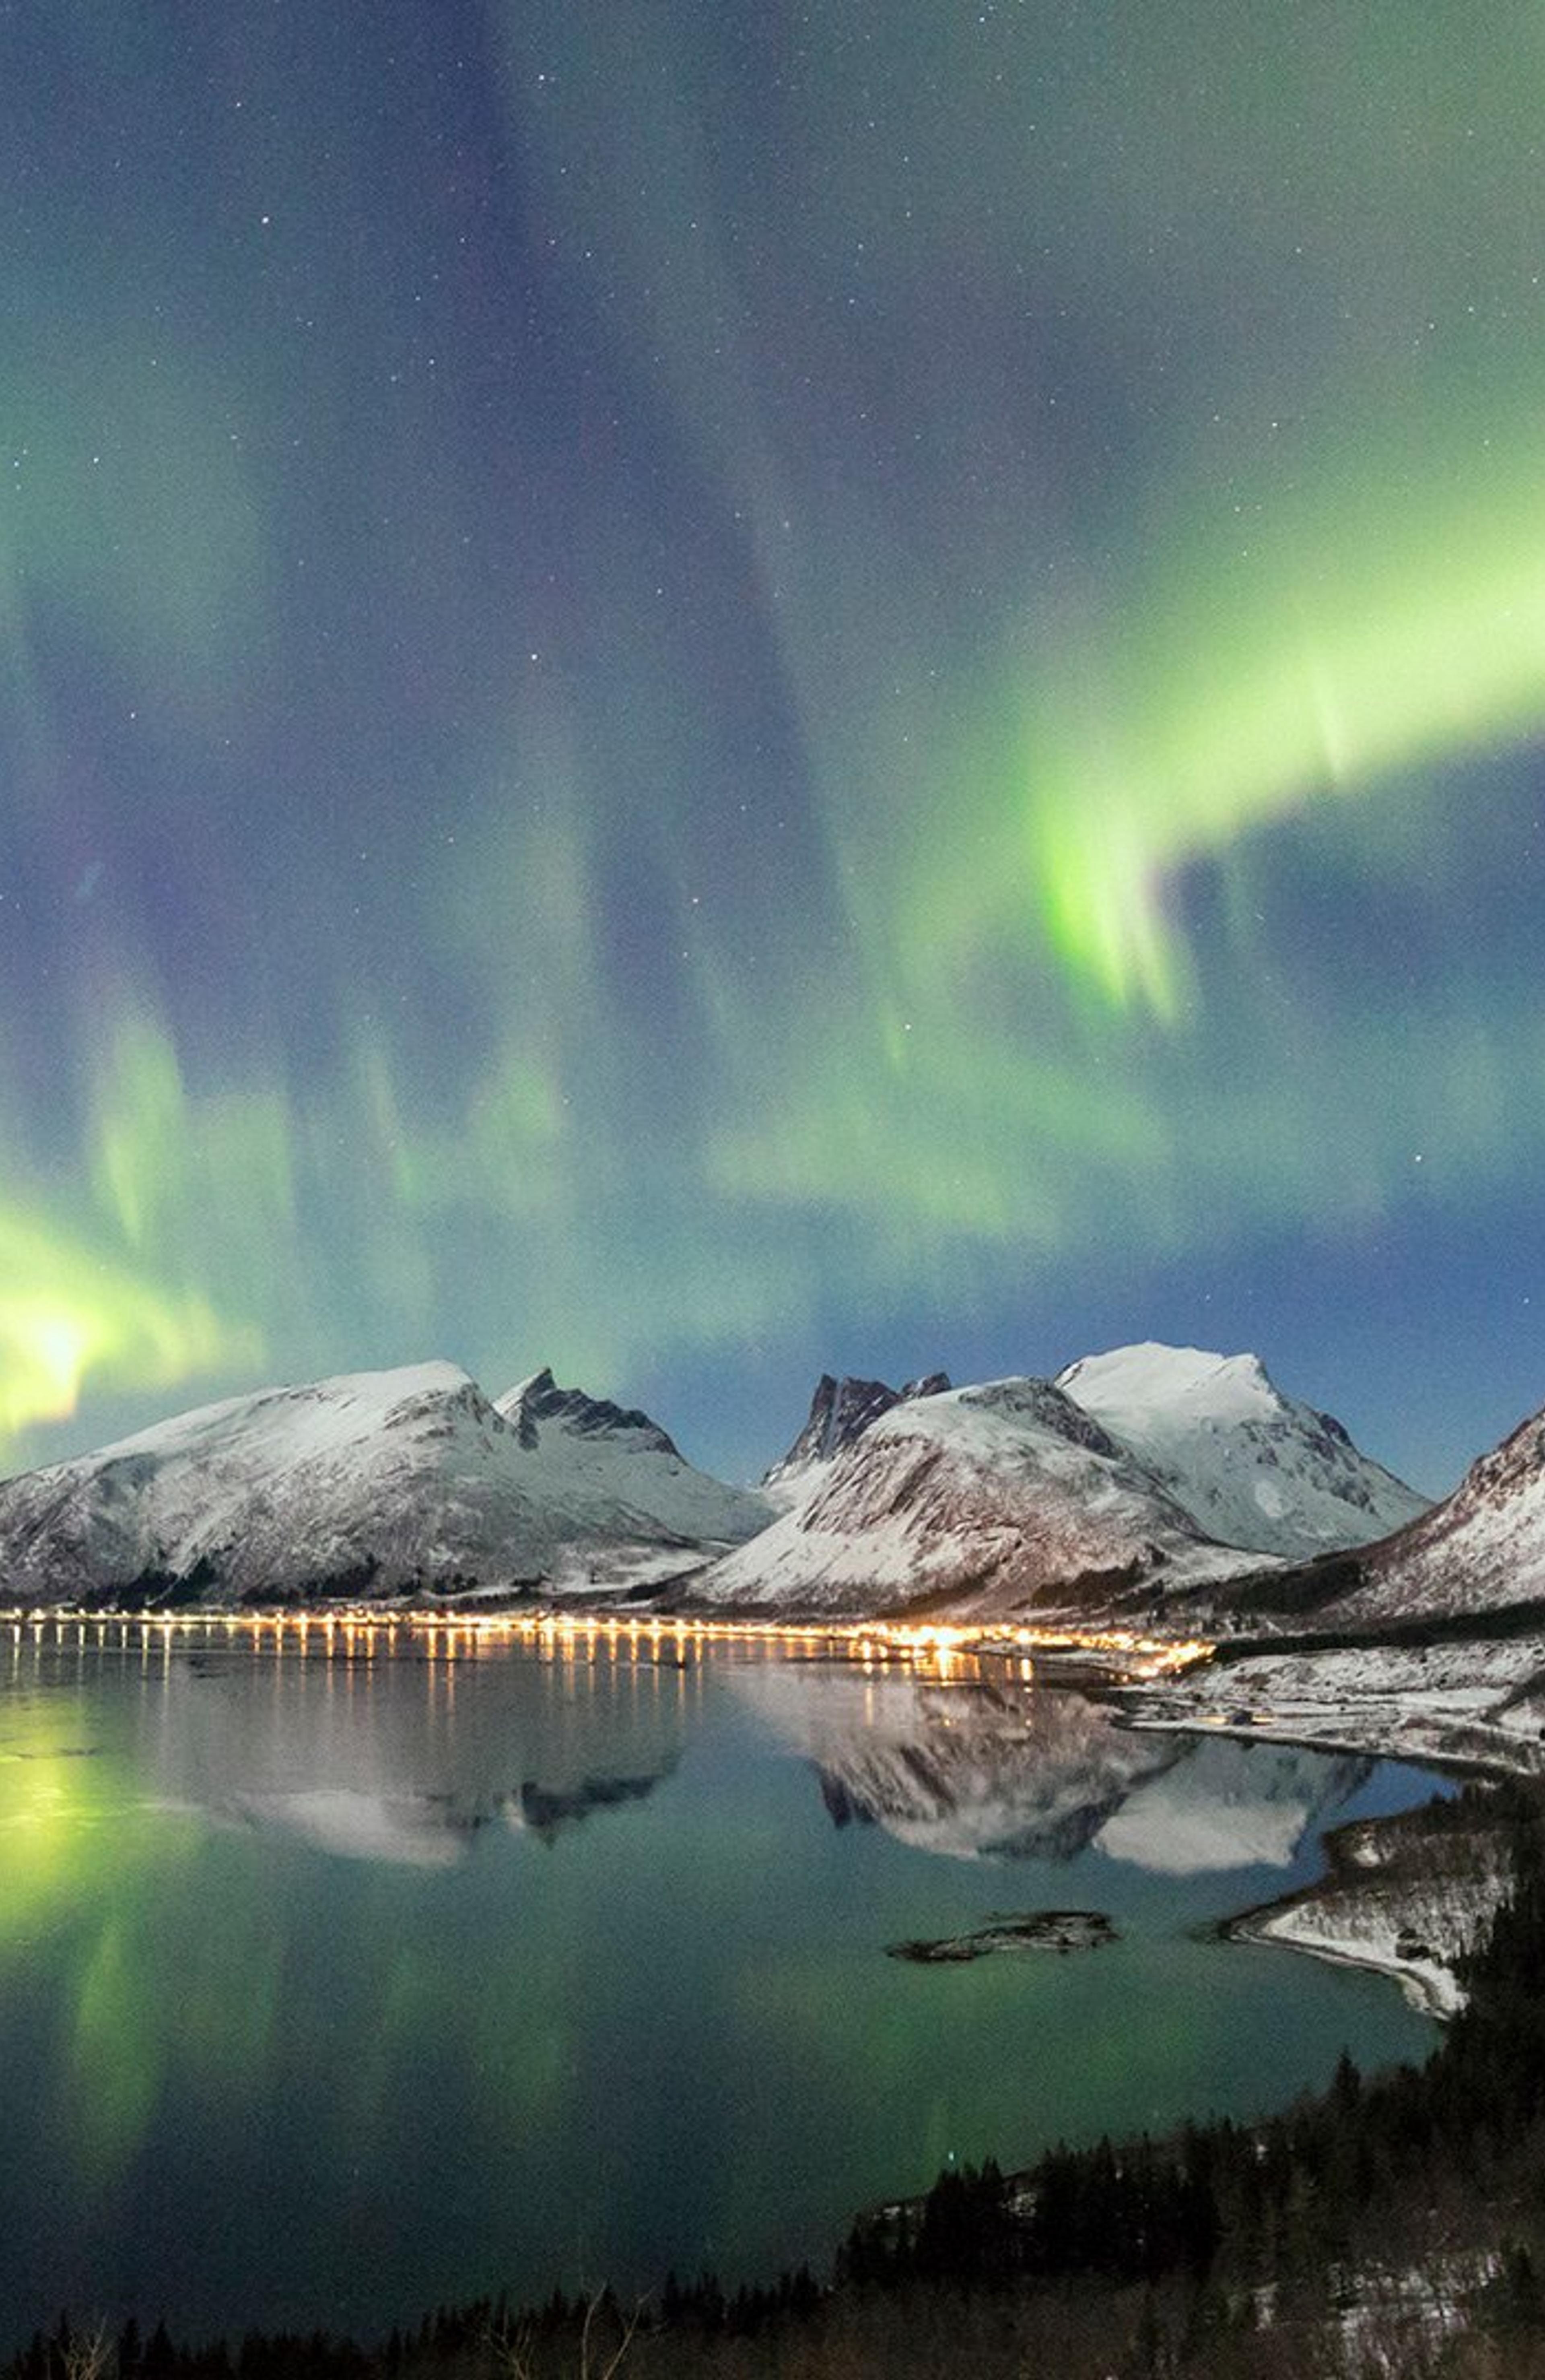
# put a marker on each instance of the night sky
(702, 689)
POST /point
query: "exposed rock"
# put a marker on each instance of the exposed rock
(840, 1411)
(1035, 1929)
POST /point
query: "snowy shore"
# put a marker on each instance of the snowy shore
(1404, 1897)
(1470, 1704)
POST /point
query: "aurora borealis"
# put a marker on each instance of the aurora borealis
(700, 692)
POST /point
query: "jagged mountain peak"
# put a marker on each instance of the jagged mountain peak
(539, 1399)
(841, 1409)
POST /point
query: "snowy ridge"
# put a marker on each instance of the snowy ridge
(574, 1417)
(1252, 1467)
(983, 1500)
(372, 1483)
(1480, 1549)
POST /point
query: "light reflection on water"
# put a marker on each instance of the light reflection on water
(341, 1977)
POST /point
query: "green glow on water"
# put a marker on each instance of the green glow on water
(277, 1932)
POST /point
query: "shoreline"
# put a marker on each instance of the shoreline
(1430, 1986)
(1108, 1654)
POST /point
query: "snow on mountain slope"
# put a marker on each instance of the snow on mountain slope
(1252, 1467)
(991, 1499)
(1480, 1549)
(840, 1411)
(372, 1483)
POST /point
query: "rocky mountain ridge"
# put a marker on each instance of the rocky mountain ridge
(1135, 1474)
(1480, 1550)
(371, 1484)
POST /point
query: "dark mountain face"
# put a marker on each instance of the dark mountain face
(841, 1411)
(540, 1399)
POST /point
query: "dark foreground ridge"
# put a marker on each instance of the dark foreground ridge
(1395, 2226)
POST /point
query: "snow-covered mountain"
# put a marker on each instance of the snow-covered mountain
(375, 1483)
(980, 1502)
(840, 1411)
(1480, 1550)
(1252, 1467)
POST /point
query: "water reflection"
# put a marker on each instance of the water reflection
(995, 1770)
(365, 1747)
(987, 1769)
(1227, 1805)
(513, 1971)
(408, 1761)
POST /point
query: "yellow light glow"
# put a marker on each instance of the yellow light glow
(933, 1649)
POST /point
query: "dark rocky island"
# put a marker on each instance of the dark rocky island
(1033, 1929)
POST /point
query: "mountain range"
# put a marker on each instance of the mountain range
(373, 1484)
(1139, 1472)
(1134, 1474)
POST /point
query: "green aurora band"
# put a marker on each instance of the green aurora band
(1116, 447)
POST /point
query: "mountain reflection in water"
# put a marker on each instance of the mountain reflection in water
(994, 1770)
(332, 1988)
(408, 1760)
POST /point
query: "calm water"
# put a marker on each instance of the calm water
(332, 1989)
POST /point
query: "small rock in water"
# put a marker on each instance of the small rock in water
(1033, 1929)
